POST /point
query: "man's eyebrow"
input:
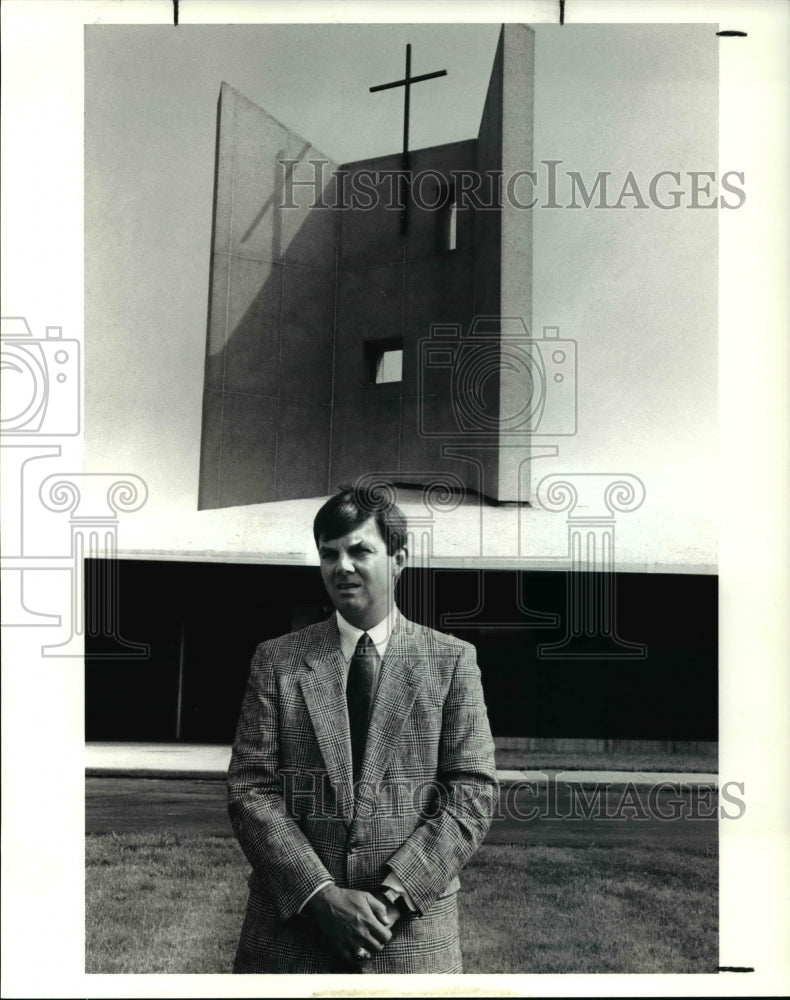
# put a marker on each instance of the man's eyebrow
(326, 548)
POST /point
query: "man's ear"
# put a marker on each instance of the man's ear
(401, 555)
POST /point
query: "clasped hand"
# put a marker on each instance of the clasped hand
(351, 919)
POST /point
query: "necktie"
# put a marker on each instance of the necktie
(359, 697)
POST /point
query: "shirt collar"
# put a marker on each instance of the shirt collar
(379, 633)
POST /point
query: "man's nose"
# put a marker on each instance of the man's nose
(345, 563)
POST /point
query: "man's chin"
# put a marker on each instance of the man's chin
(348, 599)
(353, 608)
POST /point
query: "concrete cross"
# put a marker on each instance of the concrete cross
(406, 83)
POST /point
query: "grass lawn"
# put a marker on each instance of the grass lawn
(169, 903)
(589, 910)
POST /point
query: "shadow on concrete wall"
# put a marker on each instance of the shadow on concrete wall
(268, 380)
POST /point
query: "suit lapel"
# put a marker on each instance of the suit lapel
(402, 673)
(323, 686)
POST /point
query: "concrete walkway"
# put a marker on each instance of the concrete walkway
(177, 760)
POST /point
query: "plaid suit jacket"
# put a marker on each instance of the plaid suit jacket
(424, 803)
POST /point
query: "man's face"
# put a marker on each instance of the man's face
(358, 574)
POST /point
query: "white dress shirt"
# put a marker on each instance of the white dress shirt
(379, 634)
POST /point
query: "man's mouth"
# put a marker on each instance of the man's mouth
(347, 586)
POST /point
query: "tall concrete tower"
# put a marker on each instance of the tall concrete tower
(340, 345)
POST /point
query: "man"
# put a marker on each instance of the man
(362, 777)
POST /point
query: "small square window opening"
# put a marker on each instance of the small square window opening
(389, 366)
(384, 360)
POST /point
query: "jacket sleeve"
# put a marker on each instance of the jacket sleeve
(270, 837)
(467, 787)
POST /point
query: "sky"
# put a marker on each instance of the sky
(315, 78)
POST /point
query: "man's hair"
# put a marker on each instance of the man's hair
(353, 505)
